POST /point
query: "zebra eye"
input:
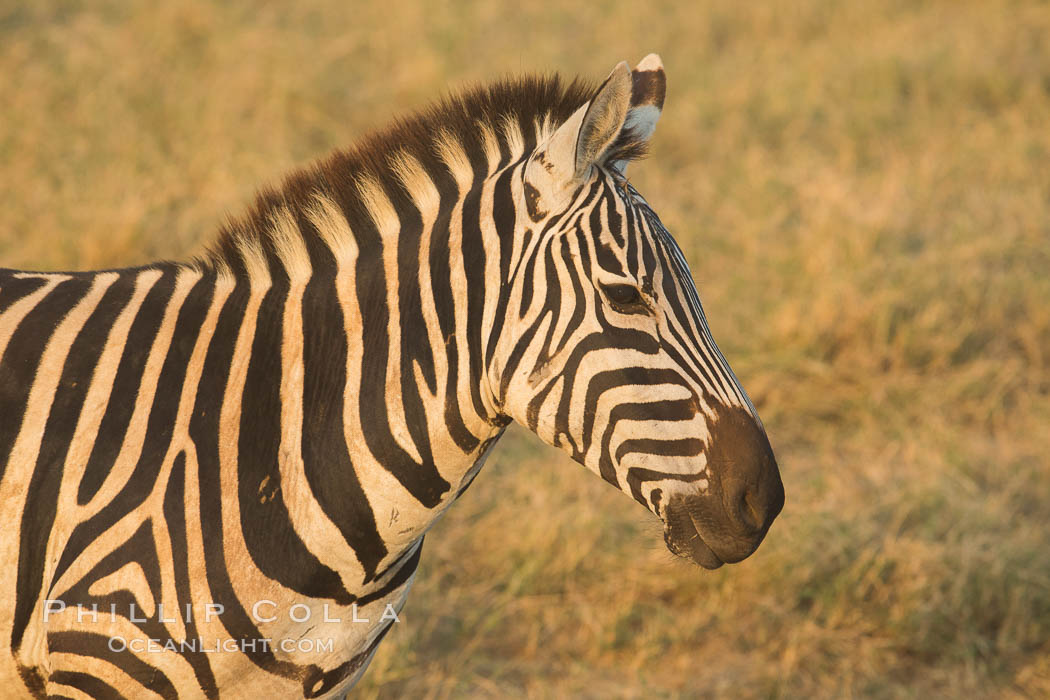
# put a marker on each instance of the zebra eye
(625, 295)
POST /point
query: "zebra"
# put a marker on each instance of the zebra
(203, 461)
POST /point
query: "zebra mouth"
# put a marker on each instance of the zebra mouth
(684, 540)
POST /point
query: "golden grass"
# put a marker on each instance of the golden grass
(863, 190)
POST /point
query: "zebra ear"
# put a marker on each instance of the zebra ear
(603, 120)
(581, 141)
(614, 128)
(648, 86)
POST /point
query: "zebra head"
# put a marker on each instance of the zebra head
(609, 356)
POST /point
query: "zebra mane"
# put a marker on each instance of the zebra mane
(513, 112)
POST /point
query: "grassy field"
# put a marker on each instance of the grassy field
(863, 191)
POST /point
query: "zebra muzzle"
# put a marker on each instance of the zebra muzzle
(699, 528)
(726, 522)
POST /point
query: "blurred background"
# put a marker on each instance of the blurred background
(863, 192)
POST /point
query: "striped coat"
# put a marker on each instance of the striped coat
(216, 475)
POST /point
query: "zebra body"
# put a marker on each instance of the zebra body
(202, 462)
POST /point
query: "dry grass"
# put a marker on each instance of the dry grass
(864, 192)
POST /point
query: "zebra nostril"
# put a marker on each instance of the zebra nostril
(743, 505)
(749, 510)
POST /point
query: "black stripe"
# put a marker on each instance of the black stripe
(613, 219)
(532, 411)
(528, 272)
(551, 305)
(503, 221)
(115, 421)
(317, 682)
(14, 288)
(648, 257)
(445, 310)
(580, 306)
(78, 373)
(474, 264)
(630, 230)
(96, 646)
(326, 460)
(517, 353)
(416, 349)
(93, 686)
(175, 519)
(607, 259)
(397, 580)
(636, 476)
(17, 370)
(24, 349)
(33, 680)
(276, 549)
(423, 481)
(415, 343)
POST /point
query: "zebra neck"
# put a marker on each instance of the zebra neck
(378, 314)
